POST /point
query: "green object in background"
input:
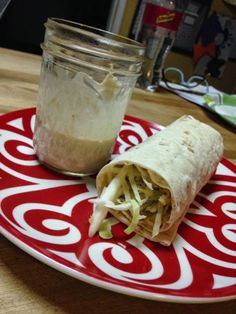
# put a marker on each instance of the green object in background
(206, 96)
(223, 104)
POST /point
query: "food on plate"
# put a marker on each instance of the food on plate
(151, 186)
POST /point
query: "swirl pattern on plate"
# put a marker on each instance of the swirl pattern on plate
(48, 214)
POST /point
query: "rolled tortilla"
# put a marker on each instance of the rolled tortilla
(151, 186)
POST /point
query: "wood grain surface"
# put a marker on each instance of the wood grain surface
(27, 285)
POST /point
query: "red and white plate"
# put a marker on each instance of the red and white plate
(46, 215)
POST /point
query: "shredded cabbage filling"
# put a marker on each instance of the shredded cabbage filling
(131, 190)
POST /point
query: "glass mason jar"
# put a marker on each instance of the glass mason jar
(87, 77)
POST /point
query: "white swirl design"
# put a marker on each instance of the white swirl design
(72, 235)
(8, 136)
(120, 254)
(137, 129)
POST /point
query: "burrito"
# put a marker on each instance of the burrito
(150, 187)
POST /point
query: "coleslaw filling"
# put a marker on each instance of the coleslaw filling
(130, 190)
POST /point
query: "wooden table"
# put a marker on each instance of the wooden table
(28, 286)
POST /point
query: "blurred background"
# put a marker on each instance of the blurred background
(22, 28)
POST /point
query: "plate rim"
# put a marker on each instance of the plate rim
(107, 285)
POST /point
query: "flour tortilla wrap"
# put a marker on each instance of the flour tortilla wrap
(177, 161)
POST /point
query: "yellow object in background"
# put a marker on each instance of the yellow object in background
(232, 2)
(127, 19)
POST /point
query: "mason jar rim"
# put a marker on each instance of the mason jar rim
(112, 38)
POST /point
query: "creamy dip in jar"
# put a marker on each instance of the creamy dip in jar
(86, 82)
